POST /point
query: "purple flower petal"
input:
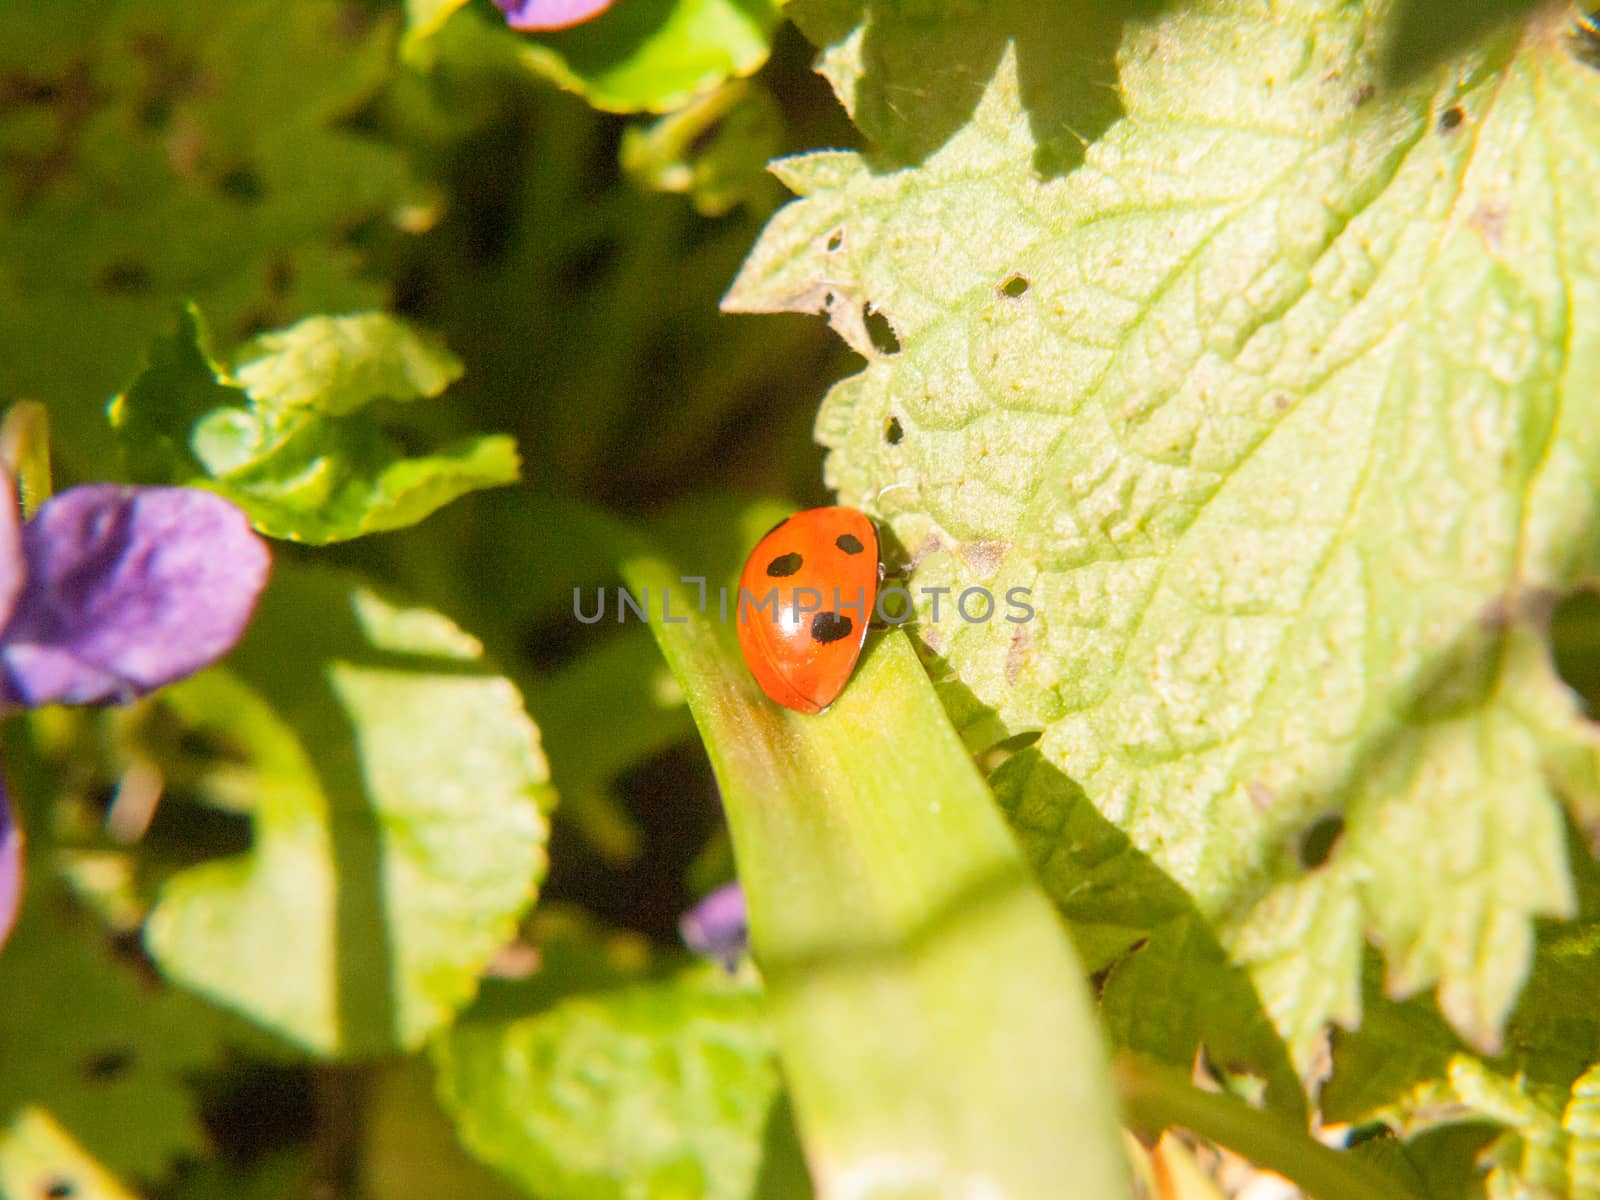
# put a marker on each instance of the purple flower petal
(10, 866)
(128, 589)
(716, 927)
(550, 14)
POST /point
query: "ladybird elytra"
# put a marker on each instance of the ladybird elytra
(806, 596)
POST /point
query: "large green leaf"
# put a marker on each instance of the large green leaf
(164, 151)
(397, 790)
(592, 1079)
(1274, 396)
(283, 433)
(933, 1022)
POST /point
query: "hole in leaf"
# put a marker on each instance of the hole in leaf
(59, 1189)
(892, 431)
(647, 894)
(1575, 646)
(1015, 286)
(1317, 845)
(1451, 118)
(126, 277)
(254, 1109)
(835, 241)
(882, 333)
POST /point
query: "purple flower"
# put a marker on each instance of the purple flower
(550, 14)
(124, 590)
(716, 927)
(111, 592)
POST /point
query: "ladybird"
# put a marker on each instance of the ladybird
(806, 595)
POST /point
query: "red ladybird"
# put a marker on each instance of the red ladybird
(806, 595)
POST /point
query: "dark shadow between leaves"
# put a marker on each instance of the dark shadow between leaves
(317, 606)
(1167, 988)
(925, 68)
(783, 1175)
(596, 46)
(1423, 33)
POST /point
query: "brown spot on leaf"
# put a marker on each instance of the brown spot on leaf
(1261, 796)
(1489, 219)
(984, 557)
(1017, 655)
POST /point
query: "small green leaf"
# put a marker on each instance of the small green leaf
(424, 18)
(25, 452)
(651, 1088)
(337, 365)
(398, 790)
(285, 435)
(715, 149)
(654, 55)
(933, 1021)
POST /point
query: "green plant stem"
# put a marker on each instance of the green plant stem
(25, 452)
(1155, 1096)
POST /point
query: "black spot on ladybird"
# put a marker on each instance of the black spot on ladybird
(849, 543)
(830, 627)
(784, 565)
(1015, 286)
(1450, 118)
(893, 431)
